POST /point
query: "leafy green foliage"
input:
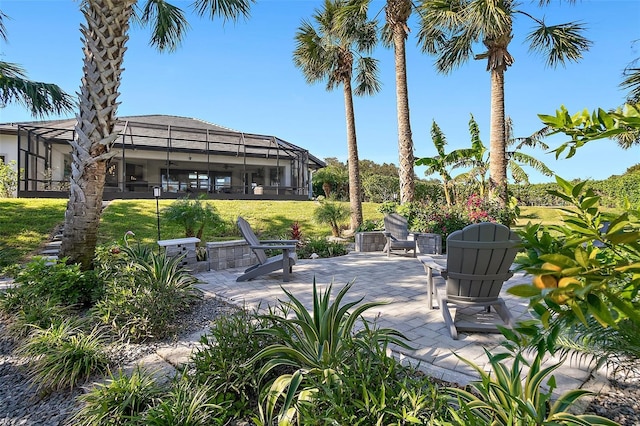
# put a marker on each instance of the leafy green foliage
(8, 179)
(595, 268)
(318, 339)
(186, 404)
(193, 215)
(144, 293)
(322, 247)
(63, 355)
(503, 397)
(222, 359)
(373, 388)
(332, 213)
(54, 280)
(36, 313)
(583, 127)
(119, 401)
(316, 344)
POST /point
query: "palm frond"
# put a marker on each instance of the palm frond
(489, 18)
(39, 98)
(438, 19)
(367, 77)
(517, 173)
(632, 83)
(225, 9)
(3, 29)
(439, 140)
(530, 161)
(168, 22)
(559, 43)
(454, 52)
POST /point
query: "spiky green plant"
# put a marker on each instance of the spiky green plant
(187, 404)
(63, 355)
(143, 297)
(332, 213)
(506, 398)
(120, 400)
(318, 339)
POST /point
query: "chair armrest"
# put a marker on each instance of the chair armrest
(274, 247)
(431, 263)
(278, 241)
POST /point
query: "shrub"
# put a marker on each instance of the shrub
(504, 396)
(592, 275)
(119, 401)
(332, 213)
(374, 388)
(322, 247)
(64, 355)
(39, 314)
(144, 297)
(222, 359)
(371, 225)
(44, 279)
(187, 404)
(193, 215)
(315, 343)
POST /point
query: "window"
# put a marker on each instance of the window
(3, 159)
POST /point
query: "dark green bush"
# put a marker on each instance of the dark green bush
(322, 247)
(144, 294)
(44, 279)
(122, 400)
(221, 361)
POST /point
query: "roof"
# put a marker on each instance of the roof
(175, 133)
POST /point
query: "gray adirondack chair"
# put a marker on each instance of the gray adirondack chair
(396, 230)
(265, 265)
(478, 262)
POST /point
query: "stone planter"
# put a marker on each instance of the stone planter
(370, 241)
(428, 243)
(229, 254)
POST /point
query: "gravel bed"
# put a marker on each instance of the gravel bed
(21, 405)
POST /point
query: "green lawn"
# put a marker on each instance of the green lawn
(26, 224)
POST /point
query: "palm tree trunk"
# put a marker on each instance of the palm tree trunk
(352, 147)
(497, 142)
(105, 37)
(398, 12)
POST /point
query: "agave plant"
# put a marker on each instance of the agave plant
(314, 343)
(506, 399)
(318, 339)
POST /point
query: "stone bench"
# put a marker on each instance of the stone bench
(180, 247)
(229, 254)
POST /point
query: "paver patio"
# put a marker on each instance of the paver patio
(401, 283)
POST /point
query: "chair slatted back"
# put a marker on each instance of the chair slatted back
(479, 258)
(252, 239)
(397, 226)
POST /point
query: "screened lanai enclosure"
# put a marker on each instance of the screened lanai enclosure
(180, 155)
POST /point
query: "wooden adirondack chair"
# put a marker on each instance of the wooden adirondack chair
(396, 230)
(265, 265)
(479, 258)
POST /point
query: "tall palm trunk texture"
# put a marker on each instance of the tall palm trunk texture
(497, 139)
(104, 37)
(397, 14)
(355, 203)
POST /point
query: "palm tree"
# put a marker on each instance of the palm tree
(450, 29)
(395, 33)
(442, 162)
(40, 98)
(328, 52)
(105, 35)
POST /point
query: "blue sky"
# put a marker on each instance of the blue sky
(241, 75)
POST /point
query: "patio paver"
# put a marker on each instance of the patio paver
(401, 283)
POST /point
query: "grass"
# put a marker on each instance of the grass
(26, 223)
